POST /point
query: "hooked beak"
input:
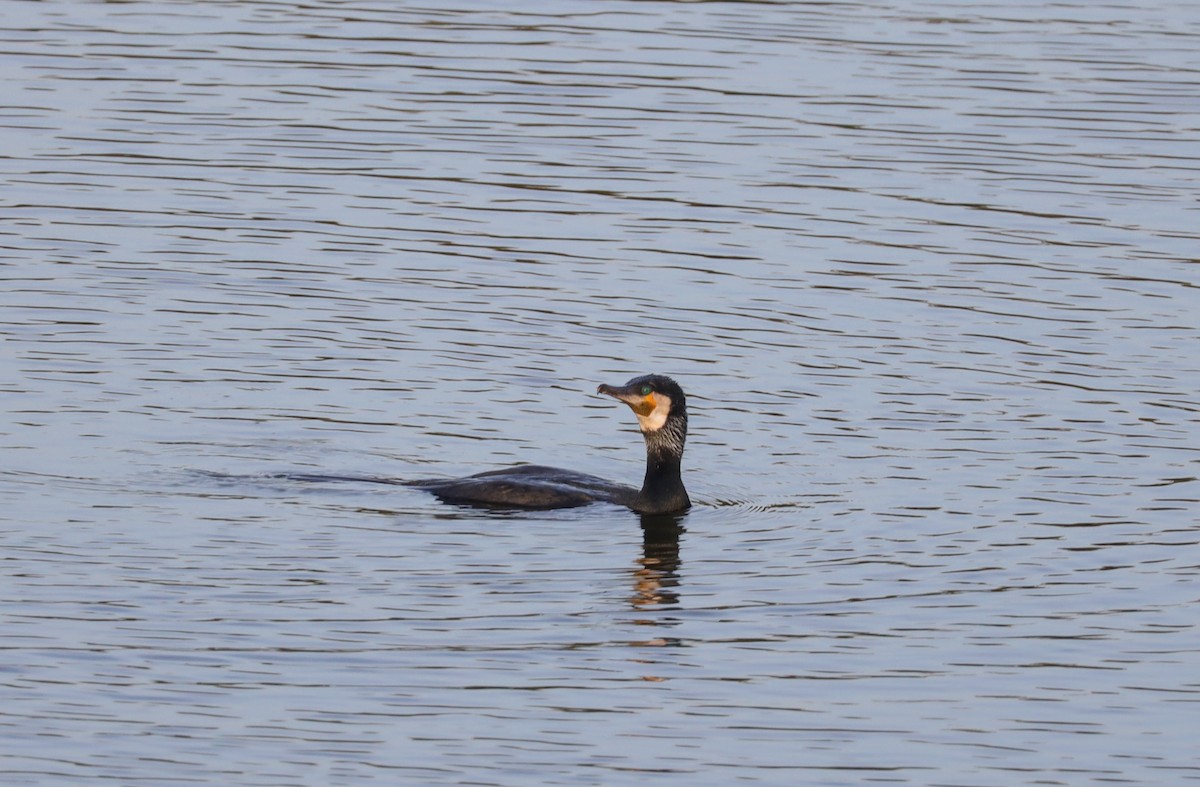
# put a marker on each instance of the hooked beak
(630, 395)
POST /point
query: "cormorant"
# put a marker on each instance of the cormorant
(661, 410)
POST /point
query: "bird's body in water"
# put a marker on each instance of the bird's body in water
(661, 410)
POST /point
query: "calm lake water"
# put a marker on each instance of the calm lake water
(927, 270)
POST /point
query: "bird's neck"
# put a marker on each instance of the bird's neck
(662, 488)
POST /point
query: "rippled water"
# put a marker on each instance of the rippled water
(926, 269)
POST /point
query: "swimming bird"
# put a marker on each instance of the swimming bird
(661, 410)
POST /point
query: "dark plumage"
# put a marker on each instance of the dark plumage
(661, 410)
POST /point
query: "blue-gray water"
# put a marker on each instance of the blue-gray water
(928, 271)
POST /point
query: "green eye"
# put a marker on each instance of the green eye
(646, 390)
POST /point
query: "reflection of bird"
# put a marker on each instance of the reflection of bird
(656, 580)
(661, 410)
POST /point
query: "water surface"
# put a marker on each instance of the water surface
(927, 271)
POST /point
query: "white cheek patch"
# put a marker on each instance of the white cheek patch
(654, 420)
